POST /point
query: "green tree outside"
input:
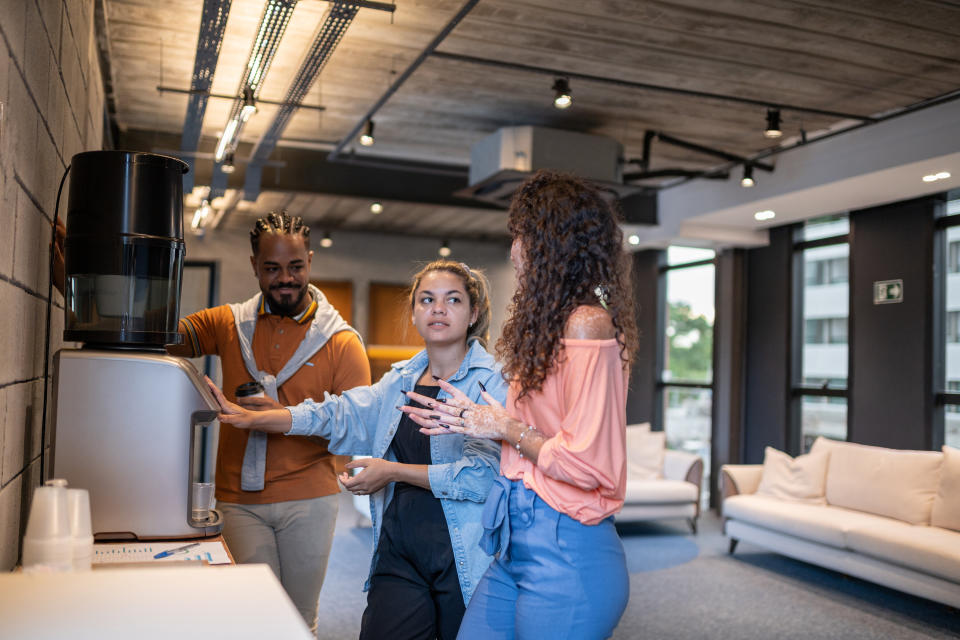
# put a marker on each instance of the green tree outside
(690, 342)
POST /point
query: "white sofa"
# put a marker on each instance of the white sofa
(887, 516)
(661, 483)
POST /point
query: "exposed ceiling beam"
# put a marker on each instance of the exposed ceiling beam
(328, 36)
(213, 23)
(382, 100)
(310, 171)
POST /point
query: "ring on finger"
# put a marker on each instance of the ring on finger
(462, 411)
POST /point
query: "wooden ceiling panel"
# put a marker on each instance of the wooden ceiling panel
(859, 56)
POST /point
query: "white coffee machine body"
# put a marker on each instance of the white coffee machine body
(129, 427)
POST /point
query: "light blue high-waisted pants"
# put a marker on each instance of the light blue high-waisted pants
(555, 578)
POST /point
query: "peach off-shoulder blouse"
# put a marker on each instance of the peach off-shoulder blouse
(581, 469)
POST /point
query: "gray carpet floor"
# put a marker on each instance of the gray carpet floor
(687, 586)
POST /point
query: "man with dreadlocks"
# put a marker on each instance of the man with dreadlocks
(278, 494)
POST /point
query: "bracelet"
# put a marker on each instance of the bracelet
(529, 428)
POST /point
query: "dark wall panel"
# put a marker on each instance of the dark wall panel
(891, 396)
(643, 375)
(767, 346)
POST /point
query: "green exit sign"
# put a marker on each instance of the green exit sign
(887, 291)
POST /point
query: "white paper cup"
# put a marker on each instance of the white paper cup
(48, 543)
(81, 532)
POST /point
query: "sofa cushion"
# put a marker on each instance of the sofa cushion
(800, 479)
(888, 482)
(659, 492)
(817, 523)
(927, 549)
(946, 505)
(645, 450)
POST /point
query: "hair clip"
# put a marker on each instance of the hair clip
(602, 295)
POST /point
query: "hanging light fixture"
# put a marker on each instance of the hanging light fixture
(773, 124)
(326, 242)
(228, 166)
(366, 138)
(747, 179)
(249, 104)
(562, 98)
(444, 250)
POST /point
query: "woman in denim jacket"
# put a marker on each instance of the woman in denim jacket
(426, 493)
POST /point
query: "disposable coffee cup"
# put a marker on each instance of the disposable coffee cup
(78, 509)
(201, 500)
(48, 543)
(250, 390)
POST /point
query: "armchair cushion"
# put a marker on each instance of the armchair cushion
(645, 451)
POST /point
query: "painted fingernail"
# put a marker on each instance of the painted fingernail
(443, 400)
(434, 417)
(482, 388)
(398, 407)
(431, 404)
(437, 377)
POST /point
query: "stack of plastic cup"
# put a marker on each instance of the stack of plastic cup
(48, 543)
(81, 533)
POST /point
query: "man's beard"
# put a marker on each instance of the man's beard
(278, 306)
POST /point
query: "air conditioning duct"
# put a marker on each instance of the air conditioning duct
(502, 160)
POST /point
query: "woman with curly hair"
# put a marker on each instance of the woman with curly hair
(566, 349)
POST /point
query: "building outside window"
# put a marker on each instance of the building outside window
(686, 374)
(949, 397)
(821, 319)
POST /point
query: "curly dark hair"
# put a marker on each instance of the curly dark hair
(279, 222)
(571, 245)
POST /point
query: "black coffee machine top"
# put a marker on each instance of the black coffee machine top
(124, 249)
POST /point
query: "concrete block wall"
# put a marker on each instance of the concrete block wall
(51, 92)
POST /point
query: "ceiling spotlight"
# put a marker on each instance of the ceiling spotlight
(326, 242)
(773, 124)
(228, 166)
(634, 239)
(376, 208)
(200, 217)
(366, 138)
(562, 99)
(444, 250)
(747, 179)
(249, 104)
(226, 140)
(933, 177)
(766, 214)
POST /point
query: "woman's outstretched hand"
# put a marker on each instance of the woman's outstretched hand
(272, 421)
(375, 474)
(459, 414)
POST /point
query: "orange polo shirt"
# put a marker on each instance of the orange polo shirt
(297, 467)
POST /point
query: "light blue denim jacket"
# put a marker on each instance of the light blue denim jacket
(363, 421)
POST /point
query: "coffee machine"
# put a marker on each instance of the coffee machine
(130, 420)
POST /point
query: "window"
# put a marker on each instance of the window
(948, 422)
(821, 312)
(686, 372)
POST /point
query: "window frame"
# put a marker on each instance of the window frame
(661, 386)
(943, 396)
(798, 389)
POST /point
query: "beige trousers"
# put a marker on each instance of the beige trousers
(293, 537)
